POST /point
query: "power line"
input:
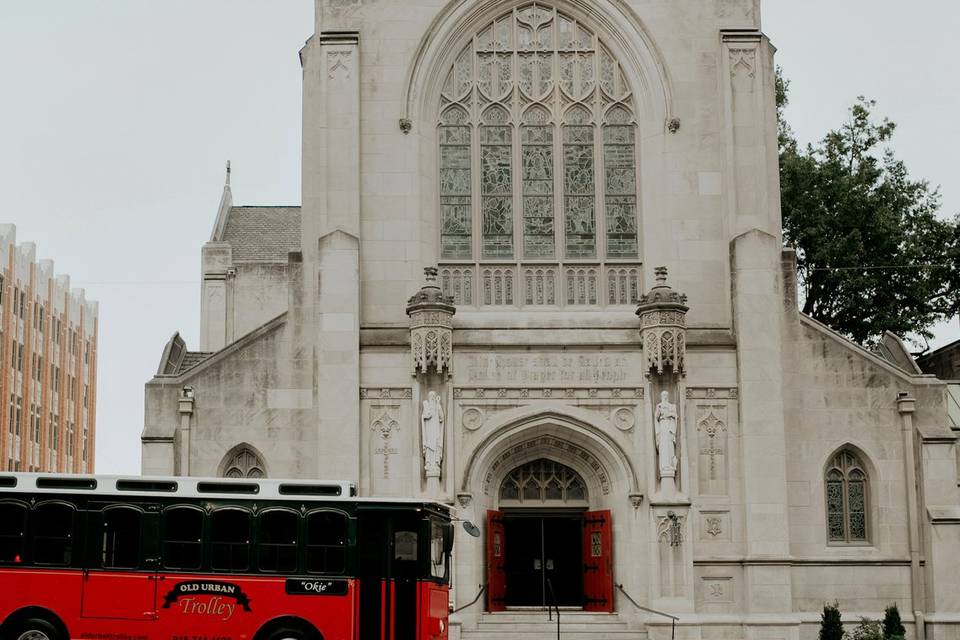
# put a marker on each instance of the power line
(890, 267)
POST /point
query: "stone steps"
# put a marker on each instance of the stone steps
(536, 625)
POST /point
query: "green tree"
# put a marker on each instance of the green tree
(830, 626)
(872, 252)
(892, 626)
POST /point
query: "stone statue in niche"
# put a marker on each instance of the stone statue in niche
(432, 433)
(665, 418)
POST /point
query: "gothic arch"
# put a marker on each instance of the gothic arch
(454, 25)
(848, 475)
(555, 434)
(243, 461)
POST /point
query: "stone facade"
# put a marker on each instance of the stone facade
(540, 159)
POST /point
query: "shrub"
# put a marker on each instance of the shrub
(867, 630)
(892, 627)
(830, 626)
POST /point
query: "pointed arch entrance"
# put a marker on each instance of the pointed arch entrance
(548, 480)
(544, 547)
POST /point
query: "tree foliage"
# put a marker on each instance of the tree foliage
(872, 252)
(892, 626)
(831, 628)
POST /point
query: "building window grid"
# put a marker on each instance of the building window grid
(847, 500)
(537, 68)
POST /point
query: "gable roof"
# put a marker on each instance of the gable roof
(262, 234)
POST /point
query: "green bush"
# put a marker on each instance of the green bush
(830, 626)
(867, 630)
(892, 627)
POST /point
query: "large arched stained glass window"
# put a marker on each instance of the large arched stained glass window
(537, 147)
(846, 485)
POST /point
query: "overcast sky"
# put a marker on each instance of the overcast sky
(116, 117)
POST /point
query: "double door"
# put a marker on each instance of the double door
(544, 559)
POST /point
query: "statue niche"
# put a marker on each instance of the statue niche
(432, 434)
(665, 419)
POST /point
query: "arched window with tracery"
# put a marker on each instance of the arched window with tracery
(538, 167)
(846, 499)
(243, 462)
(543, 482)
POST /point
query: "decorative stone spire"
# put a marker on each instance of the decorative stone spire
(431, 327)
(663, 326)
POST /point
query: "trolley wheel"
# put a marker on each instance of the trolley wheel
(282, 633)
(34, 629)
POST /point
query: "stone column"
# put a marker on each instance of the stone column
(431, 350)
(330, 225)
(906, 406)
(185, 409)
(758, 314)
(752, 166)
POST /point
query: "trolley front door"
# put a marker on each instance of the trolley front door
(496, 562)
(597, 561)
(119, 578)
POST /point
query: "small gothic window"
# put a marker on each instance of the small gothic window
(846, 499)
(543, 481)
(244, 463)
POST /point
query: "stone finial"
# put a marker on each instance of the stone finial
(431, 327)
(227, 181)
(663, 326)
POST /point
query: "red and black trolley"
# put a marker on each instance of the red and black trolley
(117, 558)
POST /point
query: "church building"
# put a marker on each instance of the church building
(538, 273)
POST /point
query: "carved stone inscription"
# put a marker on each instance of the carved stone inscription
(546, 368)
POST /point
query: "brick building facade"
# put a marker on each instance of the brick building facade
(48, 356)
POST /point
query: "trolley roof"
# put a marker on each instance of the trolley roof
(193, 487)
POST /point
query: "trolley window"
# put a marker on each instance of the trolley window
(326, 542)
(53, 533)
(277, 541)
(182, 538)
(13, 531)
(120, 542)
(230, 540)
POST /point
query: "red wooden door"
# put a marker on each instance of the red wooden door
(496, 562)
(597, 561)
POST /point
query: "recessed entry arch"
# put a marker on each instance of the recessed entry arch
(604, 467)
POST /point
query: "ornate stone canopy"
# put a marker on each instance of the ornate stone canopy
(663, 326)
(431, 327)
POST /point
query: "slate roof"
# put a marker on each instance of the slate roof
(262, 234)
(192, 359)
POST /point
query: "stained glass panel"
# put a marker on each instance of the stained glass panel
(496, 190)
(856, 501)
(620, 191)
(835, 524)
(578, 188)
(538, 214)
(455, 202)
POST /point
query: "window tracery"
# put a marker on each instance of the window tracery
(243, 463)
(846, 499)
(543, 481)
(537, 136)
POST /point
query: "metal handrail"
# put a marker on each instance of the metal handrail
(483, 588)
(673, 619)
(553, 599)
